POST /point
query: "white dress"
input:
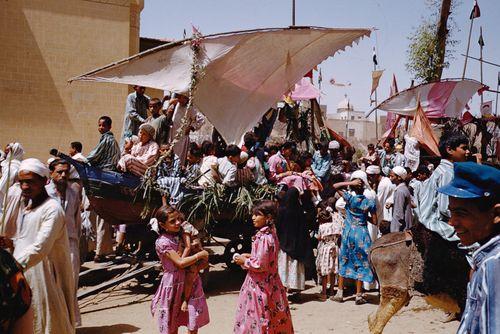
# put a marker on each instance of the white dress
(41, 247)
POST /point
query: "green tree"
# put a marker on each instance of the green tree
(431, 45)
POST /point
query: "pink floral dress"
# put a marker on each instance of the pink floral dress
(262, 304)
(167, 300)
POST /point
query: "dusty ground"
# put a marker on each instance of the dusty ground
(126, 310)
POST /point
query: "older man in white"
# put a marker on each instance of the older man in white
(59, 189)
(384, 189)
(35, 230)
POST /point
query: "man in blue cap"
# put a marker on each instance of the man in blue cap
(474, 203)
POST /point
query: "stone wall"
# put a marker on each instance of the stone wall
(43, 43)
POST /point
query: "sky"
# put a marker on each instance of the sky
(394, 20)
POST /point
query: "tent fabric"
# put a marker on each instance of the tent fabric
(446, 98)
(246, 72)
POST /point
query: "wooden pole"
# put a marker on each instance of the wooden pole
(468, 46)
(293, 13)
(376, 110)
(442, 34)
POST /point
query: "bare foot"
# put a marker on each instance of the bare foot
(184, 306)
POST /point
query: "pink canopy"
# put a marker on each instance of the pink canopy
(445, 98)
(304, 90)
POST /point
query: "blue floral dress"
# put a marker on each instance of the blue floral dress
(353, 256)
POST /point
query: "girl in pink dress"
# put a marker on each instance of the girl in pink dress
(167, 300)
(262, 304)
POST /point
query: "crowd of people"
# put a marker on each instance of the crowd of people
(329, 208)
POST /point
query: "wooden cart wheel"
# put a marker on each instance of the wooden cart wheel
(240, 245)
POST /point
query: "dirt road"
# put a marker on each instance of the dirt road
(126, 310)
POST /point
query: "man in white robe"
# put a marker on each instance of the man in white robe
(59, 189)
(384, 189)
(35, 230)
(195, 122)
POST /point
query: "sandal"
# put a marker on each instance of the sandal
(322, 297)
(360, 300)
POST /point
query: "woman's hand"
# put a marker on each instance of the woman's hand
(240, 260)
(356, 183)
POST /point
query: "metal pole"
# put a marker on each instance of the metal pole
(468, 45)
(293, 12)
(498, 86)
(481, 60)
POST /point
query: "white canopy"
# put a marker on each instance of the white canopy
(445, 98)
(246, 72)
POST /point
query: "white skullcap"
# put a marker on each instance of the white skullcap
(35, 166)
(359, 174)
(50, 160)
(372, 170)
(400, 171)
(243, 157)
(333, 145)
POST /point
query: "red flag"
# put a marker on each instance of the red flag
(476, 12)
(390, 116)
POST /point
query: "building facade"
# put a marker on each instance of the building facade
(353, 125)
(43, 44)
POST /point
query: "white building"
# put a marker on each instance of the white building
(352, 124)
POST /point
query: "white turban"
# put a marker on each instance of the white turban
(359, 174)
(400, 171)
(333, 145)
(35, 166)
(372, 169)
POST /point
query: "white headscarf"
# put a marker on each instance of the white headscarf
(359, 174)
(35, 166)
(400, 171)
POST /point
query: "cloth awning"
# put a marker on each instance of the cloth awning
(445, 98)
(246, 72)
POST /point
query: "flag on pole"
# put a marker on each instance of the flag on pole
(389, 121)
(422, 131)
(476, 12)
(374, 57)
(481, 40)
(376, 75)
(486, 108)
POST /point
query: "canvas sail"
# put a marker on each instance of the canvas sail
(246, 72)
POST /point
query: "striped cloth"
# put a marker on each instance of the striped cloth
(140, 158)
(106, 154)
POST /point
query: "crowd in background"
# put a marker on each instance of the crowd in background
(330, 205)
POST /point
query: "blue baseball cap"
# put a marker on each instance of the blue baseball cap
(472, 180)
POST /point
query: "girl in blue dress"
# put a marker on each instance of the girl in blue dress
(356, 242)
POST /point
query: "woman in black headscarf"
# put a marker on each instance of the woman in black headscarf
(295, 243)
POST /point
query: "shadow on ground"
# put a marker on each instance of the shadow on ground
(111, 329)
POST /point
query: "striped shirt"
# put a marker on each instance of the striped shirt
(482, 309)
(106, 154)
